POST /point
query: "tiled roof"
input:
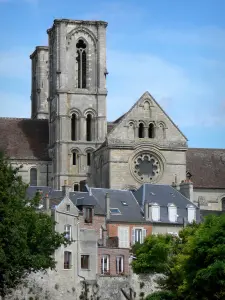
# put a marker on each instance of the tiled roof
(207, 167)
(24, 138)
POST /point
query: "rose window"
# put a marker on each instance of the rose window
(146, 167)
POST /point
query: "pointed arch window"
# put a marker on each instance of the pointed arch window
(74, 127)
(151, 131)
(33, 177)
(89, 122)
(76, 187)
(141, 130)
(81, 64)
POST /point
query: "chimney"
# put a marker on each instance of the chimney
(107, 206)
(46, 202)
(66, 189)
(186, 189)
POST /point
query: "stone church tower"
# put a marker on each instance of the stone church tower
(77, 97)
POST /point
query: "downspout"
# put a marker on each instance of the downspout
(78, 253)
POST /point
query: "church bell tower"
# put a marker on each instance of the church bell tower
(77, 97)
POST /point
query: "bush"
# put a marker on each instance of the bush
(162, 295)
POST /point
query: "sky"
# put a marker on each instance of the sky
(175, 49)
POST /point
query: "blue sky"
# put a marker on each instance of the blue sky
(175, 49)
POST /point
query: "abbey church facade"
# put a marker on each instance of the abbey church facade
(68, 137)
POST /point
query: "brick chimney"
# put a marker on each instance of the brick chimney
(107, 206)
(66, 189)
(186, 189)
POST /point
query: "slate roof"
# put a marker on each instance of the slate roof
(164, 195)
(207, 167)
(130, 213)
(24, 138)
(205, 213)
(84, 198)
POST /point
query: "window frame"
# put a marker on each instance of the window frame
(88, 215)
(119, 260)
(36, 176)
(107, 271)
(68, 230)
(143, 234)
(86, 265)
(69, 263)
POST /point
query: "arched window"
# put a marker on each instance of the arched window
(81, 64)
(74, 127)
(88, 158)
(74, 158)
(151, 131)
(141, 130)
(89, 122)
(33, 177)
(76, 187)
(223, 203)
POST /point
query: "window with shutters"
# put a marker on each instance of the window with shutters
(138, 235)
(105, 265)
(67, 260)
(68, 232)
(172, 213)
(123, 235)
(119, 264)
(154, 212)
(191, 214)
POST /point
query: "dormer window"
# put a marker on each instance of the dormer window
(154, 212)
(191, 214)
(88, 215)
(172, 213)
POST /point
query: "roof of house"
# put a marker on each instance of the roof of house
(84, 198)
(164, 195)
(24, 138)
(207, 167)
(124, 201)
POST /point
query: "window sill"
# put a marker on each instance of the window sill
(85, 270)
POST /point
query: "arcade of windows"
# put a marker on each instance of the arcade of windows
(75, 136)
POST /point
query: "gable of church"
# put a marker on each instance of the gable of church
(148, 121)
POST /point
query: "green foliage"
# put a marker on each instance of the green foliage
(193, 264)
(162, 295)
(152, 255)
(27, 237)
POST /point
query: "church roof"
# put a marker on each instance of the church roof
(24, 138)
(207, 167)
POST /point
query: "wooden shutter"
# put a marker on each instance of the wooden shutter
(155, 213)
(172, 213)
(191, 214)
(123, 234)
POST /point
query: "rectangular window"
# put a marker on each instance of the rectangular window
(119, 264)
(67, 259)
(85, 262)
(74, 158)
(68, 232)
(172, 213)
(138, 235)
(88, 215)
(68, 207)
(191, 214)
(105, 265)
(155, 213)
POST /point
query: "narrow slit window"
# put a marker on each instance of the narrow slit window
(88, 158)
(67, 260)
(76, 187)
(89, 127)
(151, 131)
(85, 262)
(73, 127)
(141, 130)
(81, 64)
(74, 158)
(33, 177)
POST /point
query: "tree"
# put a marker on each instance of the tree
(27, 237)
(193, 265)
